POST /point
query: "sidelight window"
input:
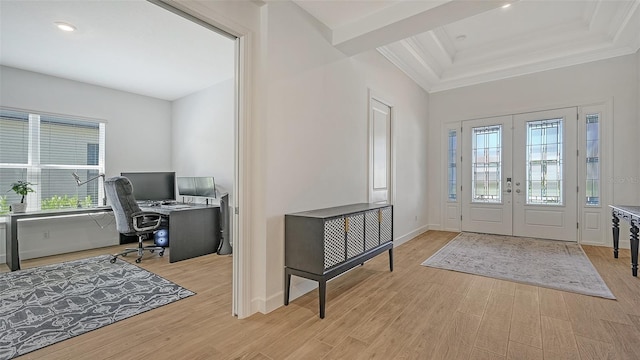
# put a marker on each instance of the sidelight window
(593, 160)
(452, 171)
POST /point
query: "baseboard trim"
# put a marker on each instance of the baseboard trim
(410, 235)
(623, 244)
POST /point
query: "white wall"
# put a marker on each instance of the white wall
(612, 81)
(202, 134)
(137, 139)
(316, 134)
(307, 130)
(138, 127)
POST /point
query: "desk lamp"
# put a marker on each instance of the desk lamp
(80, 183)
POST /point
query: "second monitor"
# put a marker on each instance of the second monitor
(203, 186)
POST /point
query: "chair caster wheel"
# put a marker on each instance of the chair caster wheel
(152, 251)
(113, 260)
(138, 260)
(124, 254)
(161, 253)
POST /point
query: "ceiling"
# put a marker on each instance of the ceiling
(138, 47)
(132, 45)
(448, 44)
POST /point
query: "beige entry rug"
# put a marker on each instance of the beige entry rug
(552, 264)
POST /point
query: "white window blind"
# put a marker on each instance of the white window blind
(46, 150)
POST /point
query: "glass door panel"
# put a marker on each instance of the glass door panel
(544, 162)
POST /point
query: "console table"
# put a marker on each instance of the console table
(11, 238)
(322, 244)
(632, 215)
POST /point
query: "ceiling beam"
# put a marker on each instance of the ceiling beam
(404, 20)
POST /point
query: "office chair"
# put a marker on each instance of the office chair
(130, 220)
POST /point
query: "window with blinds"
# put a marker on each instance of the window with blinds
(45, 150)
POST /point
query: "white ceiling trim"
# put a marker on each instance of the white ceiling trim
(529, 36)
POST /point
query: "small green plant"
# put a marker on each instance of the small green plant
(22, 188)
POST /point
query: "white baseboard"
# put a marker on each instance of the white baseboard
(623, 244)
(410, 235)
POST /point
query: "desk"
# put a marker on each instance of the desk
(632, 215)
(11, 239)
(194, 230)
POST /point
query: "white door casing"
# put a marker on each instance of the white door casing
(379, 151)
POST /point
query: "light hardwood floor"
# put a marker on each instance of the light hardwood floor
(415, 312)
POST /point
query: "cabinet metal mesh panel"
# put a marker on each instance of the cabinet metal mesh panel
(372, 230)
(386, 228)
(355, 236)
(334, 246)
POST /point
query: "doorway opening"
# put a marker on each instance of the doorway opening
(236, 185)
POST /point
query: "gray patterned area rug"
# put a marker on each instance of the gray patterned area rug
(48, 304)
(548, 263)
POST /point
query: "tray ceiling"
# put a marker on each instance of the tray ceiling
(448, 44)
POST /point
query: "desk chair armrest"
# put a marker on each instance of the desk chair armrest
(146, 221)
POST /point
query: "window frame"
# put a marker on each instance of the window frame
(34, 167)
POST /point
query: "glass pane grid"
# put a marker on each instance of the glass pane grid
(452, 170)
(592, 160)
(486, 164)
(544, 162)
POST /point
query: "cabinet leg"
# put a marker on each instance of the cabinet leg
(391, 259)
(287, 285)
(322, 289)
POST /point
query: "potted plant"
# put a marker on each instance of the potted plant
(22, 188)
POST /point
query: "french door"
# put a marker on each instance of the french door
(519, 175)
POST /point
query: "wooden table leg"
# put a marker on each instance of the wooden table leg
(633, 239)
(616, 233)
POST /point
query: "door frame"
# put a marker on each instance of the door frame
(241, 205)
(511, 171)
(373, 95)
(597, 236)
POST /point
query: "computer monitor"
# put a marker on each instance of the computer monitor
(203, 186)
(152, 186)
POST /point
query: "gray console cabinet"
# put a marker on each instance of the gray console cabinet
(321, 244)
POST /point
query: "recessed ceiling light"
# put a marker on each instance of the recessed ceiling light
(65, 26)
(461, 37)
(506, 5)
